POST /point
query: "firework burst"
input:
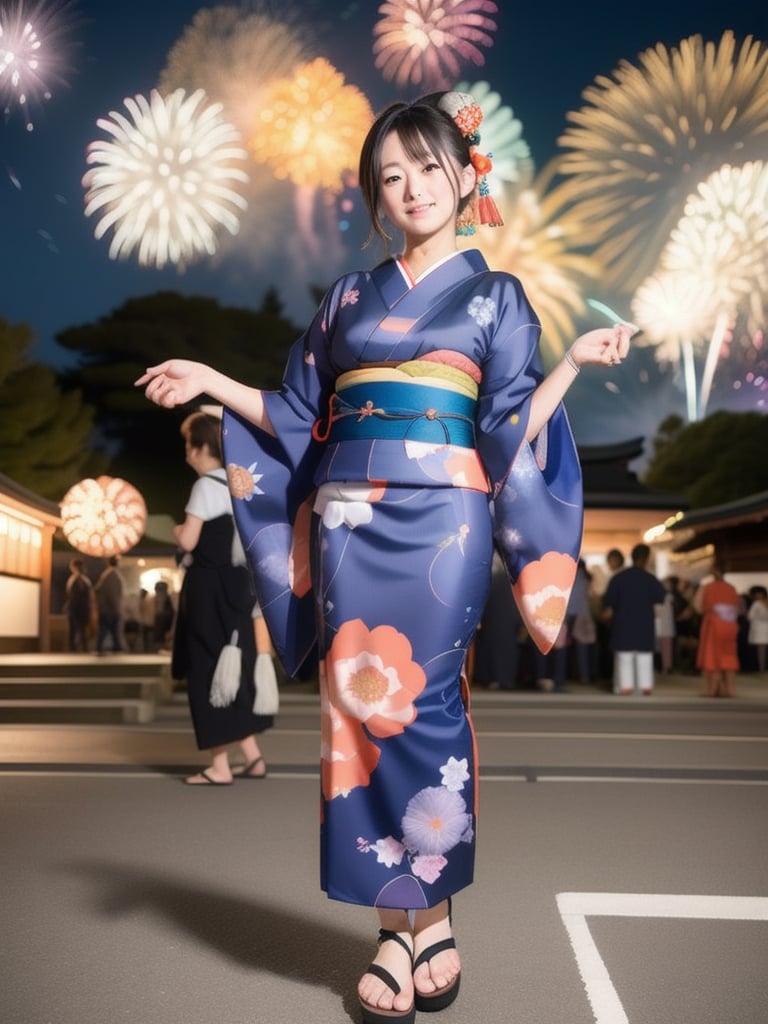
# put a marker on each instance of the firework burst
(722, 238)
(312, 126)
(649, 134)
(166, 182)
(233, 56)
(501, 137)
(676, 312)
(539, 244)
(425, 42)
(31, 55)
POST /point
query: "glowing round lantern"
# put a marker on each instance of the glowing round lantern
(103, 517)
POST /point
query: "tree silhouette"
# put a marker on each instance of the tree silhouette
(45, 429)
(144, 441)
(711, 461)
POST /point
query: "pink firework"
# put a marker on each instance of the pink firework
(426, 42)
(31, 53)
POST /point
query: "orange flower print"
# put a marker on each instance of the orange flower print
(372, 677)
(542, 591)
(347, 756)
(298, 560)
(466, 470)
(243, 483)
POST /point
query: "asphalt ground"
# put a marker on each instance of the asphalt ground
(622, 875)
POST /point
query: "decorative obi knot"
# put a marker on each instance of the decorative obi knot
(387, 404)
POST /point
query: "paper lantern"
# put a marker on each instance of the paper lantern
(103, 517)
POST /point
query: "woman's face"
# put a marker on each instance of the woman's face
(417, 195)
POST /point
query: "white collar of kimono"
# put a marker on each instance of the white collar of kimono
(411, 281)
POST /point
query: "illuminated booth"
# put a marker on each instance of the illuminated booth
(27, 526)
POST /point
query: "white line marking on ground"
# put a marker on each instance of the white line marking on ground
(672, 736)
(575, 907)
(673, 780)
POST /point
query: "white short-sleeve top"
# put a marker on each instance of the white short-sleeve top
(209, 499)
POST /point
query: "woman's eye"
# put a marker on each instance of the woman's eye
(432, 167)
(391, 179)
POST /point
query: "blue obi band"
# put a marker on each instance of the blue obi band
(394, 410)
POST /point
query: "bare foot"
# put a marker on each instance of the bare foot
(439, 971)
(392, 957)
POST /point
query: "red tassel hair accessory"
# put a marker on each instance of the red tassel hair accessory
(468, 117)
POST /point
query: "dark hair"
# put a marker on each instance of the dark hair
(200, 429)
(640, 553)
(422, 129)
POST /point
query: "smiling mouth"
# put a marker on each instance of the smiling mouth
(420, 209)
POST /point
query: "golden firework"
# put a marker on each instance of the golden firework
(312, 126)
(233, 55)
(539, 245)
(650, 133)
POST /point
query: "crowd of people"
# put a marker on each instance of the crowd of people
(104, 617)
(624, 627)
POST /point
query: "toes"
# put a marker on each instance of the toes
(375, 993)
(423, 980)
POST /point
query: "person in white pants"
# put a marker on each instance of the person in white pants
(629, 608)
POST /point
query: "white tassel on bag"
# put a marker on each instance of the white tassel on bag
(226, 676)
(267, 701)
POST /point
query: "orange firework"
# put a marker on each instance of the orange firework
(312, 126)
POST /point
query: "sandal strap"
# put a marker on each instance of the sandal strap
(383, 974)
(385, 935)
(437, 947)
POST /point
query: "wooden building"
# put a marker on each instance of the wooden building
(27, 527)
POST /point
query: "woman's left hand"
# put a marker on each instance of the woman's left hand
(606, 346)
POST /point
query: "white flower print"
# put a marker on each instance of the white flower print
(482, 310)
(351, 513)
(365, 687)
(455, 774)
(388, 851)
(421, 449)
(345, 504)
(350, 297)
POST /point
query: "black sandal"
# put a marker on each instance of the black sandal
(431, 1002)
(246, 772)
(374, 1014)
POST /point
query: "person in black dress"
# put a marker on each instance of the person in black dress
(216, 601)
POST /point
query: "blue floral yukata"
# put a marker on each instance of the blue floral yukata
(369, 522)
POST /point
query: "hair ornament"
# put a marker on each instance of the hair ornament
(468, 116)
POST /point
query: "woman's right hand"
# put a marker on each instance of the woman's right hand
(174, 382)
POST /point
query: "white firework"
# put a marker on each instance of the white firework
(501, 137)
(167, 180)
(671, 307)
(722, 238)
(676, 310)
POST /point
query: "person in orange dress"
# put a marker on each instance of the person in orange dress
(717, 656)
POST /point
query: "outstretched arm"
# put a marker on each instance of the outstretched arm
(178, 381)
(606, 346)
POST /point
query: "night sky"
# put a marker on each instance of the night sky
(55, 274)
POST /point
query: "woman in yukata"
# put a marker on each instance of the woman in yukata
(413, 430)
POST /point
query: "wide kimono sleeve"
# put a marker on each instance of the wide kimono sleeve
(536, 487)
(271, 483)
